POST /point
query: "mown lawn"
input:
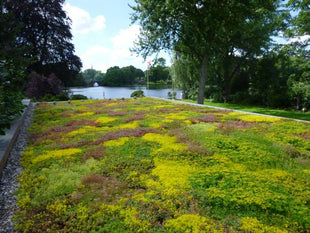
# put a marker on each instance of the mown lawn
(294, 114)
(149, 165)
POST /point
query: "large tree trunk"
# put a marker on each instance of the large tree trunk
(202, 80)
(226, 68)
(227, 84)
(298, 100)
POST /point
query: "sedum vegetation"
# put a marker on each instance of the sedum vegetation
(149, 165)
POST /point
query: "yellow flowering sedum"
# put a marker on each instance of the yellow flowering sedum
(117, 142)
(253, 118)
(82, 211)
(168, 143)
(56, 154)
(254, 226)
(83, 130)
(192, 223)
(235, 114)
(23, 202)
(105, 120)
(172, 177)
(84, 114)
(58, 208)
(258, 118)
(131, 220)
(131, 125)
(207, 127)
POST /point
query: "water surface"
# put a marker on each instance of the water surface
(120, 92)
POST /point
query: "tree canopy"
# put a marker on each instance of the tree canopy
(198, 29)
(12, 69)
(34, 36)
(91, 76)
(300, 23)
(159, 72)
(45, 28)
(126, 76)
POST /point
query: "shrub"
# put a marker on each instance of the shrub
(62, 97)
(137, 93)
(59, 97)
(40, 86)
(217, 97)
(79, 97)
(47, 97)
(172, 95)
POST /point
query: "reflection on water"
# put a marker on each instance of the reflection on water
(120, 92)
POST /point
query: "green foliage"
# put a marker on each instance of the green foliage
(137, 93)
(300, 24)
(159, 73)
(90, 76)
(12, 70)
(125, 76)
(45, 28)
(10, 94)
(59, 97)
(302, 92)
(10, 106)
(79, 97)
(185, 76)
(62, 97)
(202, 34)
(172, 95)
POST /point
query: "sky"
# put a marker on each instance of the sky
(103, 34)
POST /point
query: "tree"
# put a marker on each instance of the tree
(159, 71)
(301, 91)
(193, 28)
(113, 77)
(184, 75)
(299, 76)
(300, 24)
(12, 69)
(248, 39)
(117, 76)
(46, 29)
(132, 75)
(267, 82)
(90, 76)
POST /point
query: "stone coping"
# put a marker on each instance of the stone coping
(8, 140)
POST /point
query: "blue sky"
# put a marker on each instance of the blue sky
(103, 33)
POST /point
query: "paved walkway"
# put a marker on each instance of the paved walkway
(7, 141)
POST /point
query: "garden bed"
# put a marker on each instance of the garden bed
(148, 165)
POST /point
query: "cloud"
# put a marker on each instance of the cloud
(301, 39)
(126, 37)
(102, 57)
(82, 22)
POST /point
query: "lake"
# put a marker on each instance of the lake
(121, 92)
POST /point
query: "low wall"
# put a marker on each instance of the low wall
(8, 140)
